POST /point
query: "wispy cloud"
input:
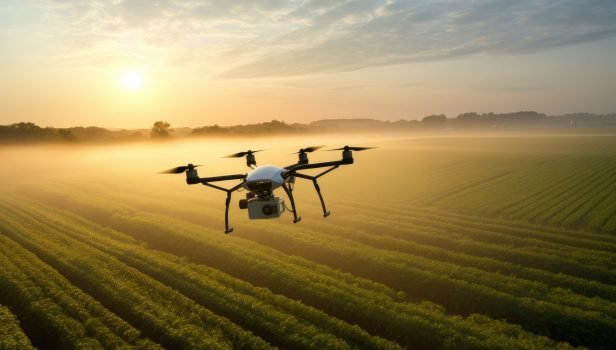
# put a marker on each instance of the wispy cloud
(262, 38)
(404, 31)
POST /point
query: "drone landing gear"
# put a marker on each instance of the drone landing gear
(326, 212)
(289, 193)
(228, 229)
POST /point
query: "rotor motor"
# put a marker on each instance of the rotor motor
(192, 177)
(347, 156)
(250, 159)
(303, 158)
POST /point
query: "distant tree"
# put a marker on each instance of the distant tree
(25, 126)
(470, 117)
(473, 119)
(435, 118)
(160, 129)
(209, 130)
(91, 133)
(67, 135)
(26, 132)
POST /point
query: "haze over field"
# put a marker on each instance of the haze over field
(430, 242)
(469, 151)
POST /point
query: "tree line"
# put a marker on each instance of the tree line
(27, 132)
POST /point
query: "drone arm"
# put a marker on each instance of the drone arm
(205, 180)
(309, 177)
(296, 167)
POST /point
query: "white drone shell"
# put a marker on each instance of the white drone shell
(266, 172)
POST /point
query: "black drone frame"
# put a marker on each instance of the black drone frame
(206, 181)
(292, 171)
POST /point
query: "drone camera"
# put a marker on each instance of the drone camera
(259, 208)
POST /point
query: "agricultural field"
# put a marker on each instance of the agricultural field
(453, 242)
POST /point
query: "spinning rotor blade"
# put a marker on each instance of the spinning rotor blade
(308, 149)
(180, 169)
(241, 154)
(349, 148)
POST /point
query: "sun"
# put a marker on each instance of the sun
(132, 80)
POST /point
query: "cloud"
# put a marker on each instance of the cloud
(159, 31)
(404, 32)
(260, 38)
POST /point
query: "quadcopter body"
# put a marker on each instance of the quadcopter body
(260, 200)
(261, 181)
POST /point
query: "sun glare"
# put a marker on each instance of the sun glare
(132, 80)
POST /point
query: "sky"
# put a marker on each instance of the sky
(128, 63)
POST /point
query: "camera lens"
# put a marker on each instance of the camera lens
(268, 209)
(243, 203)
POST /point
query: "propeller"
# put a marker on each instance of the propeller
(308, 149)
(180, 169)
(241, 154)
(350, 148)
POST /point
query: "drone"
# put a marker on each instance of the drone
(261, 182)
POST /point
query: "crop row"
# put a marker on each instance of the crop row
(482, 195)
(584, 253)
(282, 321)
(541, 235)
(313, 285)
(573, 171)
(571, 187)
(528, 184)
(593, 261)
(525, 186)
(559, 168)
(375, 239)
(396, 270)
(414, 251)
(56, 313)
(574, 238)
(579, 285)
(585, 257)
(571, 192)
(11, 334)
(423, 180)
(512, 298)
(560, 258)
(159, 312)
(591, 198)
(477, 173)
(610, 223)
(502, 232)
